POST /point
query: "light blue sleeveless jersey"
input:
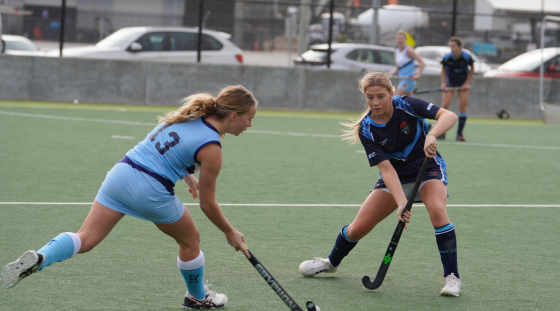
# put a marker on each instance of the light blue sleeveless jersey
(404, 63)
(171, 150)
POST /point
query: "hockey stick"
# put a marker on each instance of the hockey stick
(270, 280)
(396, 236)
(425, 91)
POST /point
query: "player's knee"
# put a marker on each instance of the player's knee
(438, 213)
(357, 232)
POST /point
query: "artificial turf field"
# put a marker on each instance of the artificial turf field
(508, 254)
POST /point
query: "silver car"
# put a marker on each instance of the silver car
(169, 44)
(349, 56)
(19, 45)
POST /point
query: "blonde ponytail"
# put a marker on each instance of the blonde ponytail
(234, 98)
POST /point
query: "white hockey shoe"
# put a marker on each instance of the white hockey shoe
(452, 286)
(318, 265)
(211, 300)
(27, 264)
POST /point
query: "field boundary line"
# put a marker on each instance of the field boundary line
(292, 205)
(266, 132)
(46, 116)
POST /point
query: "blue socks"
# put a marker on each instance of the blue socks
(447, 245)
(193, 272)
(65, 245)
(342, 247)
(462, 121)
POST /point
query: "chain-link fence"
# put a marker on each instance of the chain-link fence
(490, 28)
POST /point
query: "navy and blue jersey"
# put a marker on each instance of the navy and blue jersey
(401, 140)
(456, 69)
(170, 150)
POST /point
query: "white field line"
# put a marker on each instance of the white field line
(122, 137)
(266, 132)
(293, 205)
(44, 116)
(293, 134)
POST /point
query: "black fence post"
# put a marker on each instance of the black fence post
(200, 17)
(330, 35)
(454, 21)
(62, 19)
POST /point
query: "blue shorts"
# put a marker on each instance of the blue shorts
(407, 85)
(132, 192)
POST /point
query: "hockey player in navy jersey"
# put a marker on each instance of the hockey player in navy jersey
(455, 73)
(396, 139)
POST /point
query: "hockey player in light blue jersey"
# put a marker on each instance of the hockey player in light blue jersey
(142, 184)
(405, 66)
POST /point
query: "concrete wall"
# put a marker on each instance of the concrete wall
(154, 83)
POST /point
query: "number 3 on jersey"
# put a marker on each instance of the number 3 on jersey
(167, 144)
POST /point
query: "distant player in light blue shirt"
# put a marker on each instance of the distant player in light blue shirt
(142, 184)
(405, 67)
(396, 140)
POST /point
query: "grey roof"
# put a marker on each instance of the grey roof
(526, 6)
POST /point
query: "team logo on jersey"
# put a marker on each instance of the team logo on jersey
(405, 128)
(371, 155)
(383, 142)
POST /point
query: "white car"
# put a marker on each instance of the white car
(168, 44)
(432, 56)
(19, 45)
(349, 56)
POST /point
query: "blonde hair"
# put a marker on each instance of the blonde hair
(233, 98)
(401, 32)
(369, 79)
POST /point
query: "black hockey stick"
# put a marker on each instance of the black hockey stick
(396, 236)
(270, 280)
(425, 91)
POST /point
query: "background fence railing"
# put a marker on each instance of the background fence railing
(277, 25)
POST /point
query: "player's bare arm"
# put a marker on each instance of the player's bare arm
(210, 158)
(412, 54)
(443, 75)
(392, 182)
(445, 121)
(465, 85)
(192, 182)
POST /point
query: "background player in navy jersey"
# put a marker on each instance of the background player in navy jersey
(141, 185)
(457, 71)
(395, 137)
(404, 65)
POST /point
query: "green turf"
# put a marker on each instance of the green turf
(508, 256)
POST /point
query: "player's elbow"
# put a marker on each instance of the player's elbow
(453, 118)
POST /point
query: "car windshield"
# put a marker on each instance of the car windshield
(315, 55)
(529, 61)
(119, 38)
(20, 45)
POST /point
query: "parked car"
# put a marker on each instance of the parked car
(349, 56)
(432, 56)
(528, 65)
(168, 44)
(19, 45)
